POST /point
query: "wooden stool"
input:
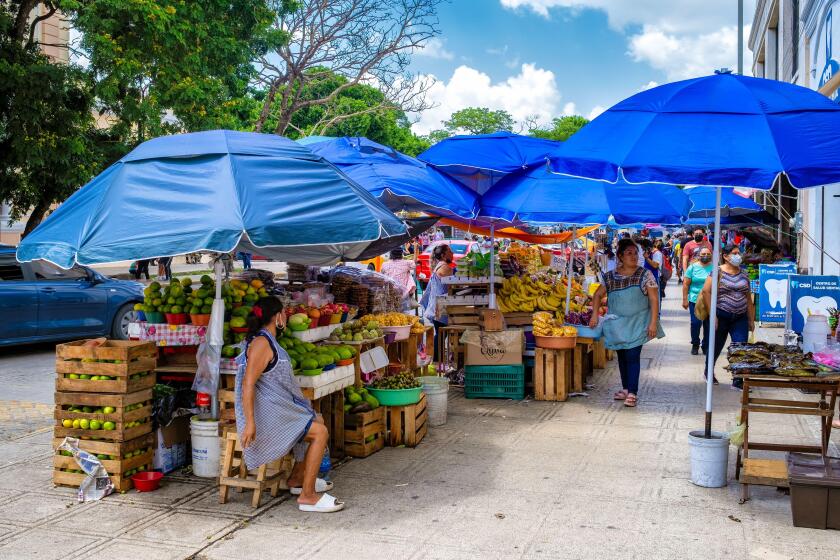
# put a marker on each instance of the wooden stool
(235, 474)
(552, 374)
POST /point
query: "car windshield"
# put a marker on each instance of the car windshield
(457, 248)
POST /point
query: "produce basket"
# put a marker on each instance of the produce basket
(201, 320)
(401, 333)
(176, 318)
(556, 342)
(396, 397)
(154, 317)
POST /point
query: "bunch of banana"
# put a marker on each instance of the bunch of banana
(524, 293)
(546, 325)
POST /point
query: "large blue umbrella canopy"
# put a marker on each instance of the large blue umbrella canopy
(541, 196)
(719, 130)
(703, 202)
(760, 218)
(401, 182)
(214, 191)
(479, 161)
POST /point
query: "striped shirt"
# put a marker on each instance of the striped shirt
(733, 291)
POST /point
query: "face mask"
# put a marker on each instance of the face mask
(735, 260)
(705, 258)
(698, 238)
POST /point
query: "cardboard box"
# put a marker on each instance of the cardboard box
(502, 348)
(172, 445)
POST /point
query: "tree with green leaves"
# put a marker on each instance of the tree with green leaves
(561, 129)
(48, 142)
(478, 120)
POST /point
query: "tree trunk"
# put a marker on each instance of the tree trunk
(21, 27)
(283, 122)
(266, 109)
(36, 217)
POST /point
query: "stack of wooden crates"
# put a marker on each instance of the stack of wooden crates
(104, 399)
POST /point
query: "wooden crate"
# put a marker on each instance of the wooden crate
(358, 428)
(582, 363)
(115, 467)
(464, 314)
(227, 401)
(120, 417)
(331, 407)
(449, 344)
(133, 372)
(599, 355)
(407, 424)
(552, 374)
(519, 319)
(491, 320)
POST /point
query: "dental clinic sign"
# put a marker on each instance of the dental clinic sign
(810, 295)
(773, 291)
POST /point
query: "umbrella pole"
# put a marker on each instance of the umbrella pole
(710, 350)
(571, 268)
(215, 336)
(492, 300)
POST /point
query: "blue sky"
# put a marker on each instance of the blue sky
(547, 58)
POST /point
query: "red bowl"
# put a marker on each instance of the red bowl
(147, 481)
(176, 318)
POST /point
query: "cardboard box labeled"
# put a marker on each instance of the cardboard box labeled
(172, 445)
(493, 348)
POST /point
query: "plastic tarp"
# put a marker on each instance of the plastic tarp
(206, 191)
(520, 235)
(401, 182)
(731, 203)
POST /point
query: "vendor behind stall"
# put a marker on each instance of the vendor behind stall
(272, 415)
(442, 258)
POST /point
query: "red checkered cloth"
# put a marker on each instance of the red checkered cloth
(164, 334)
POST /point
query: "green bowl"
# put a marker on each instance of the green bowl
(310, 372)
(154, 317)
(396, 397)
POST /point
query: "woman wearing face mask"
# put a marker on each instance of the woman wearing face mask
(634, 300)
(735, 309)
(272, 415)
(693, 282)
(442, 258)
(692, 248)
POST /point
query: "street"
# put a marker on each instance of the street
(587, 478)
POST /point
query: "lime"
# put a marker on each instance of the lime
(67, 423)
(84, 424)
(95, 424)
(87, 409)
(84, 376)
(77, 423)
(73, 376)
(109, 426)
(108, 410)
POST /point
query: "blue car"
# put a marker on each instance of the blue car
(40, 302)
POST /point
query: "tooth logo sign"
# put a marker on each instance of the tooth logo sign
(809, 305)
(777, 292)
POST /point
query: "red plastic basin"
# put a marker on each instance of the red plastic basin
(147, 481)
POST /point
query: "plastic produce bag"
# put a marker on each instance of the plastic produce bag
(736, 436)
(97, 484)
(207, 375)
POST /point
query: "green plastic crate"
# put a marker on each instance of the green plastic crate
(495, 382)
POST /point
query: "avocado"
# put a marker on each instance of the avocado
(372, 401)
(354, 398)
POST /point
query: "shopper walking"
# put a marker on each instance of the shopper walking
(442, 258)
(692, 248)
(400, 270)
(634, 301)
(245, 257)
(660, 257)
(273, 416)
(165, 268)
(142, 269)
(735, 308)
(694, 279)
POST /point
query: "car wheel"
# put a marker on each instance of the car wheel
(371, 267)
(123, 317)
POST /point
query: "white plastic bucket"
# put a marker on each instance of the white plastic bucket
(206, 447)
(437, 396)
(709, 458)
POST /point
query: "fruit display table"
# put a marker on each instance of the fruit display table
(164, 334)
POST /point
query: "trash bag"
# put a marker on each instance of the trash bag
(164, 406)
(97, 484)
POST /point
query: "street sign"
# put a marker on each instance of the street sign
(810, 295)
(773, 291)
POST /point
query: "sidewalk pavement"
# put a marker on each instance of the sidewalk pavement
(587, 478)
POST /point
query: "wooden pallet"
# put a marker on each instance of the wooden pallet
(407, 424)
(364, 432)
(552, 374)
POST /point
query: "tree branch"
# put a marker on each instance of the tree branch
(38, 20)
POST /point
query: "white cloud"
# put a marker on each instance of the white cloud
(596, 110)
(684, 38)
(650, 85)
(569, 109)
(683, 57)
(434, 48)
(532, 92)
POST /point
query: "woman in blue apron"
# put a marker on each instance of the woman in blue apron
(442, 266)
(272, 415)
(633, 302)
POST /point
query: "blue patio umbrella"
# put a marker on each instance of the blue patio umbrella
(479, 161)
(541, 196)
(207, 191)
(760, 218)
(401, 182)
(722, 130)
(731, 203)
